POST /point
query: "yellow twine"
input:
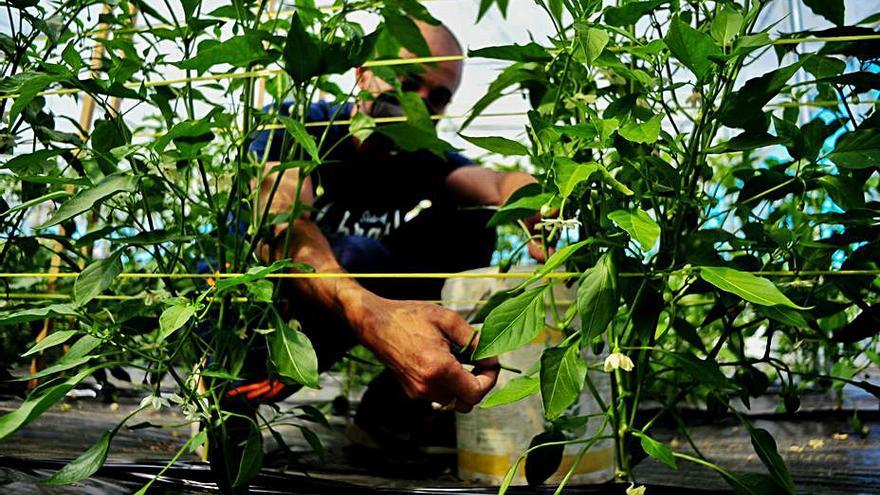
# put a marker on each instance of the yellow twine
(422, 275)
(244, 75)
(66, 296)
(377, 120)
(378, 63)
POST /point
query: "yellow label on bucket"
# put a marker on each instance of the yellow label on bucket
(497, 465)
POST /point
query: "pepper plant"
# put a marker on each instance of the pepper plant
(722, 240)
(151, 209)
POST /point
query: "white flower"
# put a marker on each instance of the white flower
(635, 490)
(155, 402)
(617, 360)
(564, 223)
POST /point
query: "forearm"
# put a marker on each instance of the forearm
(509, 182)
(340, 296)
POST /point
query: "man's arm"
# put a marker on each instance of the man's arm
(478, 185)
(412, 338)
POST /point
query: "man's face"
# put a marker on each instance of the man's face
(435, 83)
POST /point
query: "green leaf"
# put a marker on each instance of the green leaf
(784, 315)
(32, 163)
(747, 286)
(591, 41)
(766, 449)
(493, 302)
(630, 12)
(33, 314)
(605, 127)
(173, 318)
(833, 10)
(314, 441)
(362, 126)
(701, 370)
(570, 173)
(107, 135)
(747, 44)
(555, 261)
(188, 131)
(415, 10)
(485, 4)
(96, 278)
(338, 58)
(293, 354)
(847, 193)
(857, 150)
(251, 458)
(406, 32)
(500, 145)
(746, 141)
(51, 340)
(726, 25)
(688, 332)
(31, 85)
(411, 138)
(613, 182)
(597, 299)
(743, 108)
(253, 274)
(691, 47)
(86, 199)
(518, 73)
(261, 290)
(301, 136)
(513, 323)
(78, 354)
(822, 66)
(237, 51)
(38, 402)
(302, 54)
(42, 199)
(514, 390)
(753, 484)
(520, 205)
(416, 112)
(657, 450)
(563, 373)
(639, 225)
(85, 465)
(642, 132)
(530, 52)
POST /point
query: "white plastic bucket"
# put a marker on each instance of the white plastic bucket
(491, 440)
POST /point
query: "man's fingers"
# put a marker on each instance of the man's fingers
(459, 332)
(469, 388)
(486, 373)
(465, 387)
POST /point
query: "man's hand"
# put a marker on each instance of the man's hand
(416, 340)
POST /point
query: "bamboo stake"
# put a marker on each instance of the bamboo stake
(85, 122)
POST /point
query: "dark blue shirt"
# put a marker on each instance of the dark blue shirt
(368, 190)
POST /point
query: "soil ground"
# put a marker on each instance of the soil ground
(823, 452)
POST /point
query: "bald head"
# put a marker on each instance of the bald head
(437, 78)
(442, 43)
